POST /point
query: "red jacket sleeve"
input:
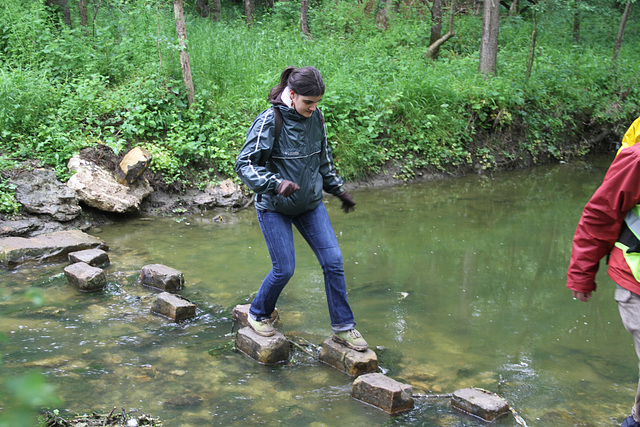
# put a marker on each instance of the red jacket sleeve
(602, 218)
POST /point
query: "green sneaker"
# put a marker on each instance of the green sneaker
(351, 339)
(262, 327)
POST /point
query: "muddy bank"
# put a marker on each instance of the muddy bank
(178, 199)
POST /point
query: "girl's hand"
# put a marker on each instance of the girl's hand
(287, 188)
(347, 201)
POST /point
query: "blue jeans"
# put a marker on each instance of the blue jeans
(316, 229)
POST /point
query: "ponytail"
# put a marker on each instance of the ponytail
(305, 81)
(275, 92)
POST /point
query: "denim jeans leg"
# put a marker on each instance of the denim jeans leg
(278, 235)
(315, 227)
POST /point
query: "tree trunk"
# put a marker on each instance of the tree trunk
(304, 23)
(60, 7)
(532, 46)
(95, 15)
(248, 11)
(623, 22)
(513, 9)
(477, 7)
(382, 18)
(576, 22)
(434, 47)
(436, 28)
(489, 39)
(158, 38)
(82, 11)
(215, 16)
(181, 28)
(202, 6)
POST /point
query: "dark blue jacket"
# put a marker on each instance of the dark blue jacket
(301, 155)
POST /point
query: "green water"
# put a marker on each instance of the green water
(456, 283)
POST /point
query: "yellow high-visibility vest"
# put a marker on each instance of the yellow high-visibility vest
(632, 136)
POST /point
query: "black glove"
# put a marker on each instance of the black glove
(347, 202)
(287, 188)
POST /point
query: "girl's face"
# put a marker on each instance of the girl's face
(305, 105)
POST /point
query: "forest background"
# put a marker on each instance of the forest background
(79, 74)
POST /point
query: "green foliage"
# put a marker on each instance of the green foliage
(118, 82)
(8, 203)
(25, 396)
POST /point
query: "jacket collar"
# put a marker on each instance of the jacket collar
(285, 104)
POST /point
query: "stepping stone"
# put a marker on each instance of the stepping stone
(266, 350)
(383, 392)
(481, 403)
(240, 313)
(85, 277)
(93, 257)
(161, 277)
(349, 361)
(173, 306)
(52, 247)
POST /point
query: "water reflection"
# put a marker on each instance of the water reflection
(458, 283)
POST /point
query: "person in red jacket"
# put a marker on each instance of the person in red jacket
(610, 226)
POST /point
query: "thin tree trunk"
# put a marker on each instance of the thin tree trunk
(532, 46)
(382, 18)
(576, 27)
(489, 39)
(436, 28)
(82, 11)
(215, 16)
(513, 9)
(95, 15)
(478, 5)
(181, 28)
(304, 23)
(158, 25)
(623, 22)
(202, 6)
(576, 22)
(62, 7)
(434, 47)
(248, 11)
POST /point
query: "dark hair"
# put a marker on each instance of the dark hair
(305, 81)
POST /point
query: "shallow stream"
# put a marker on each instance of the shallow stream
(456, 283)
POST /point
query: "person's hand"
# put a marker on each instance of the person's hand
(347, 202)
(287, 188)
(582, 296)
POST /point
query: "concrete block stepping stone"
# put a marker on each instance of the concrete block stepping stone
(481, 403)
(161, 277)
(85, 277)
(241, 311)
(93, 257)
(349, 361)
(173, 306)
(383, 392)
(266, 350)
